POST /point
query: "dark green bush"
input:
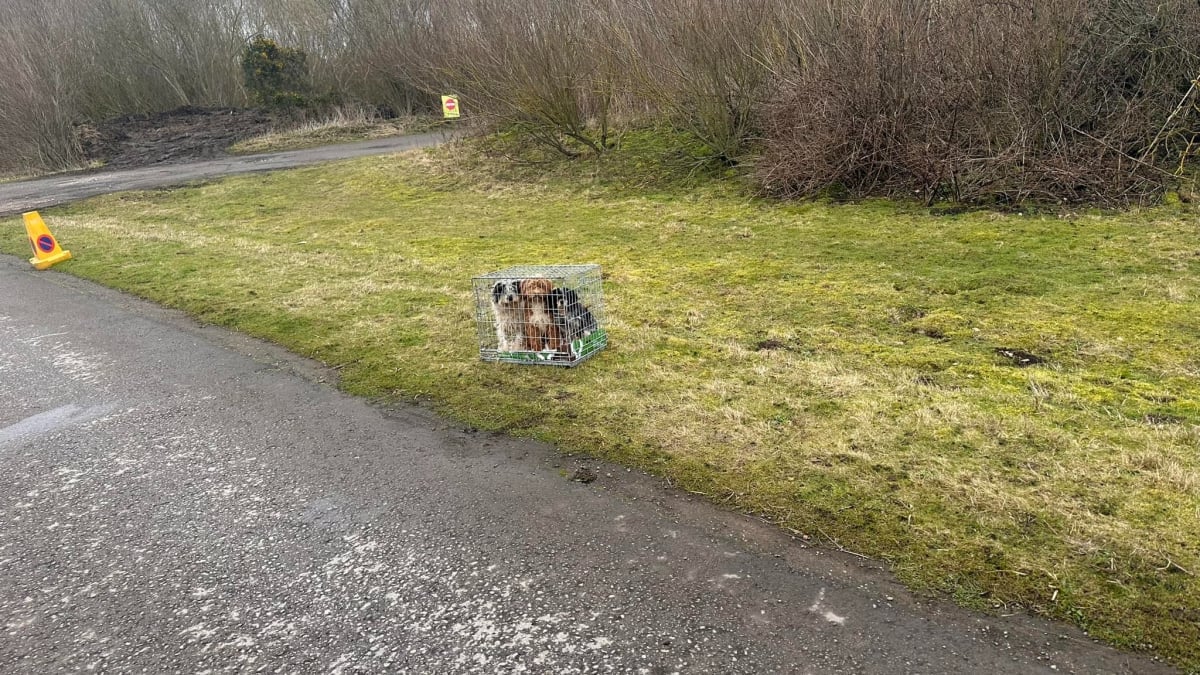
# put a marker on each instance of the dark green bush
(274, 75)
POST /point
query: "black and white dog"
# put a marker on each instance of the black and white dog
(574, 320)
(510, 315)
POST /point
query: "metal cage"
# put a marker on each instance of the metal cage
(549, 315)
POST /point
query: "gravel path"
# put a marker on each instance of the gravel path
(40, 193)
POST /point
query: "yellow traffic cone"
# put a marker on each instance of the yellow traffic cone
(46, 251)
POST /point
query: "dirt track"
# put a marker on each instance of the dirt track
(174, 136)
(41, 193)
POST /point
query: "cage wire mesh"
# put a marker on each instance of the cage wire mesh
(540, 314)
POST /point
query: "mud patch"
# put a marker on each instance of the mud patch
(179, 135)
(584, 475)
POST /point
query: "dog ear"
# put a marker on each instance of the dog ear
(517, 286)
(497, 291)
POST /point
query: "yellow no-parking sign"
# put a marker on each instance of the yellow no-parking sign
(450, 108)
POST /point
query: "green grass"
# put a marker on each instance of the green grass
(830, 367)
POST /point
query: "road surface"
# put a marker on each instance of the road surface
(178, 498)
(40, 193)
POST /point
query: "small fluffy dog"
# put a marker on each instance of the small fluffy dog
(573, 318)
(541, 332)
(510, 315)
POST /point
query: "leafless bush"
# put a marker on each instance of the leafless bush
(986, 101)
(68, 61)
(36, 108)
(561, 70)
(358, 50)
(705, 65)
(155, 54)
(532, 65)
(377, 64)
(62, 62)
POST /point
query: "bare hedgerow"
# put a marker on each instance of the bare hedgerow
(1068, 100)
(359, 52)
(971, 100)
(531, 65)
(706, 66)
(68, 61)
(64, 62)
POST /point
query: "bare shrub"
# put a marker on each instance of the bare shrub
(37, 107)
(146, 55)
(981, 101)
(377, 64)
(706, 65)
(357, 50)
(64, 62)
(532, 65)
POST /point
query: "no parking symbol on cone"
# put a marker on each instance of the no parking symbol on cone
(46, 251)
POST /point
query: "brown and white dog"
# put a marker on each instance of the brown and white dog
(541, 332)
(510, 315)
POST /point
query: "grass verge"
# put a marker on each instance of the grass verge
(341, 128)
(831, 367)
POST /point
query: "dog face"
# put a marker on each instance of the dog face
(558, 303)
(566, 300)
(506, 293)
(572, 317)
(565, 303)
(537, 290)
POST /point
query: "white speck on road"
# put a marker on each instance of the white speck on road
(51, 420)
(834, 618)
(818, 606)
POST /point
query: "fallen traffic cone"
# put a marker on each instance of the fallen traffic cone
(46, 251)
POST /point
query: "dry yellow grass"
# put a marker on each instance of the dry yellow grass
(341, 127)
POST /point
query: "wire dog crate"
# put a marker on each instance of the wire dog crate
(549, 315)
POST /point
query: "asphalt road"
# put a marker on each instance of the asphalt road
(40, 193)
(178, 498)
